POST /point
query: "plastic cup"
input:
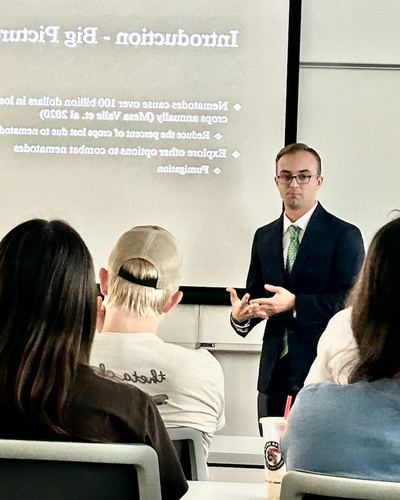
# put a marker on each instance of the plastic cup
(275, 468)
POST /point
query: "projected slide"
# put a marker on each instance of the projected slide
(147, 112)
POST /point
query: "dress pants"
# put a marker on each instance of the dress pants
(272, 403)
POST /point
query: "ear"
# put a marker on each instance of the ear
(276, 181)
(103, 275)
(173, 301)
(320, 180)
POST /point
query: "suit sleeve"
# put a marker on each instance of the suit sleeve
(313, 309)
(254, 287)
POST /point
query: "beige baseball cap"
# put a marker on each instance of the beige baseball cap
(155, 245)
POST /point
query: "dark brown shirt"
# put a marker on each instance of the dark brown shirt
(102, 410)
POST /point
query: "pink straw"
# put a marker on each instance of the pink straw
(287, 407)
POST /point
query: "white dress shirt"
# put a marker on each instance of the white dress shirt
(302, 223)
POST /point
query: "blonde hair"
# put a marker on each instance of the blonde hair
(142, 301)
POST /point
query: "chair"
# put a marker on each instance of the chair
(44, 470)
(188, 443)
(296, 484)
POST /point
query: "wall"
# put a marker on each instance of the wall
(348, 105)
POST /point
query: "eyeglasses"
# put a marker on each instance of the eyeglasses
(300, 178)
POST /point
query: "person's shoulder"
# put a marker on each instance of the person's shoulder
(329, 394)
(199, 357)
(270, 229)
(325, 216)
(390, 386)
(342, 318)
(338, 335)
(319, 392)
(196, 364)
(207, 357)
(316, 388)
(270, 225)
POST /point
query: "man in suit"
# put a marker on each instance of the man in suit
(302, 268)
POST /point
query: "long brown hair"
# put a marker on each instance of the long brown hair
(47, 319)
(375, 300)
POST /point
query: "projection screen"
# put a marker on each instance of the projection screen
(117, 114)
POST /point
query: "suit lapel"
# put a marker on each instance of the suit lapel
(274, 253)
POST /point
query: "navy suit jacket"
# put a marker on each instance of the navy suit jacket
(327, 264)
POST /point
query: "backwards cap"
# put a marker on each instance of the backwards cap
(155, 245)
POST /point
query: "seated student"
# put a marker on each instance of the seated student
(47, 323)
(140, 286)
(353, 430)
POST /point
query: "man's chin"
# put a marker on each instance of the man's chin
(293, 203)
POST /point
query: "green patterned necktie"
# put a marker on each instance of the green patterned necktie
(293, 247)
(291, 257)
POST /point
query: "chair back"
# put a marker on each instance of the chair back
(296, 484)
(188, 443)
(44, 470)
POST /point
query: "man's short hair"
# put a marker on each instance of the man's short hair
(144, 270)
(296, 147)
